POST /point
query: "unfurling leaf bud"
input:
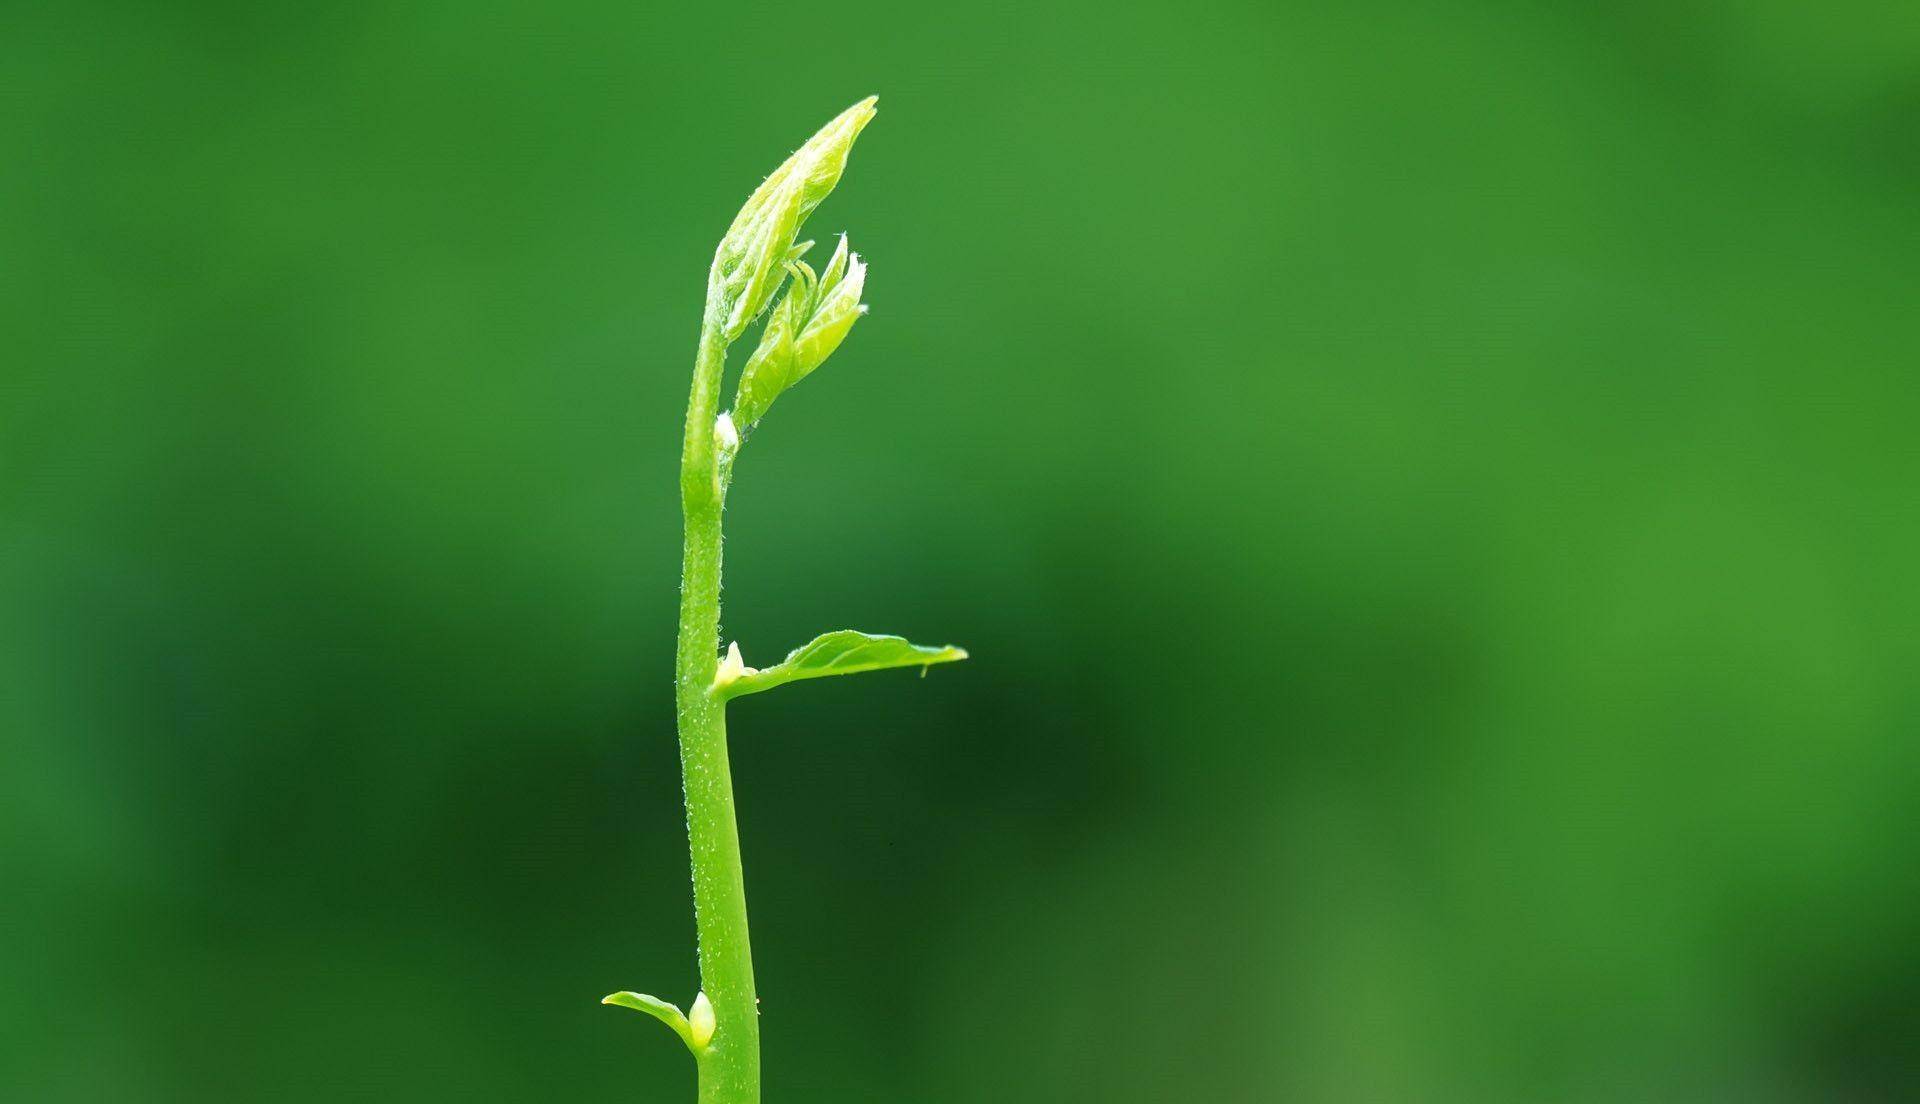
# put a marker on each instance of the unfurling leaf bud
(749, 262)
(769, 370)
(839, 308)
(809, 323)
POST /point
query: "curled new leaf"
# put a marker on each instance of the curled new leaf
(769, 370)
(838, 653)
(809, 323)
(839, 308)
(748, 264)
(836, 268)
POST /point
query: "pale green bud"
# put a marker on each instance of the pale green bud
(836, 268)
(700, 1021)
(732, 668)
(769, 370)
(840, 307)
(726, 442)
(809, 323)
(749, 262)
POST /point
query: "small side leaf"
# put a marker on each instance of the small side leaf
(663, 1011)
(840, 653)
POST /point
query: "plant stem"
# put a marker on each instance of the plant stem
(729, 1067)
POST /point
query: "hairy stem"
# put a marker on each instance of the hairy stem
(730, 1064)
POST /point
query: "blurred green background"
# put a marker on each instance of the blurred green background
(1430, 490)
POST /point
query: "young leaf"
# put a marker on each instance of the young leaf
(840, 307)
(839, 653)
(750, 260)
(663, 1011)
(836, 268)
(807, 325)
(769, 370)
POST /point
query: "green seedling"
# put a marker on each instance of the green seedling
(755, 259)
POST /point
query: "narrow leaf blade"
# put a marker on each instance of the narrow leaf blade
(844, 652)
(664, 1011)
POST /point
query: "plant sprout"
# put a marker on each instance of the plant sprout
(756, 257)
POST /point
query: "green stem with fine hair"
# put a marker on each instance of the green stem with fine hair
(754, 260)
(730, 1064)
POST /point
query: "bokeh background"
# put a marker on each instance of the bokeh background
(1430, 490)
